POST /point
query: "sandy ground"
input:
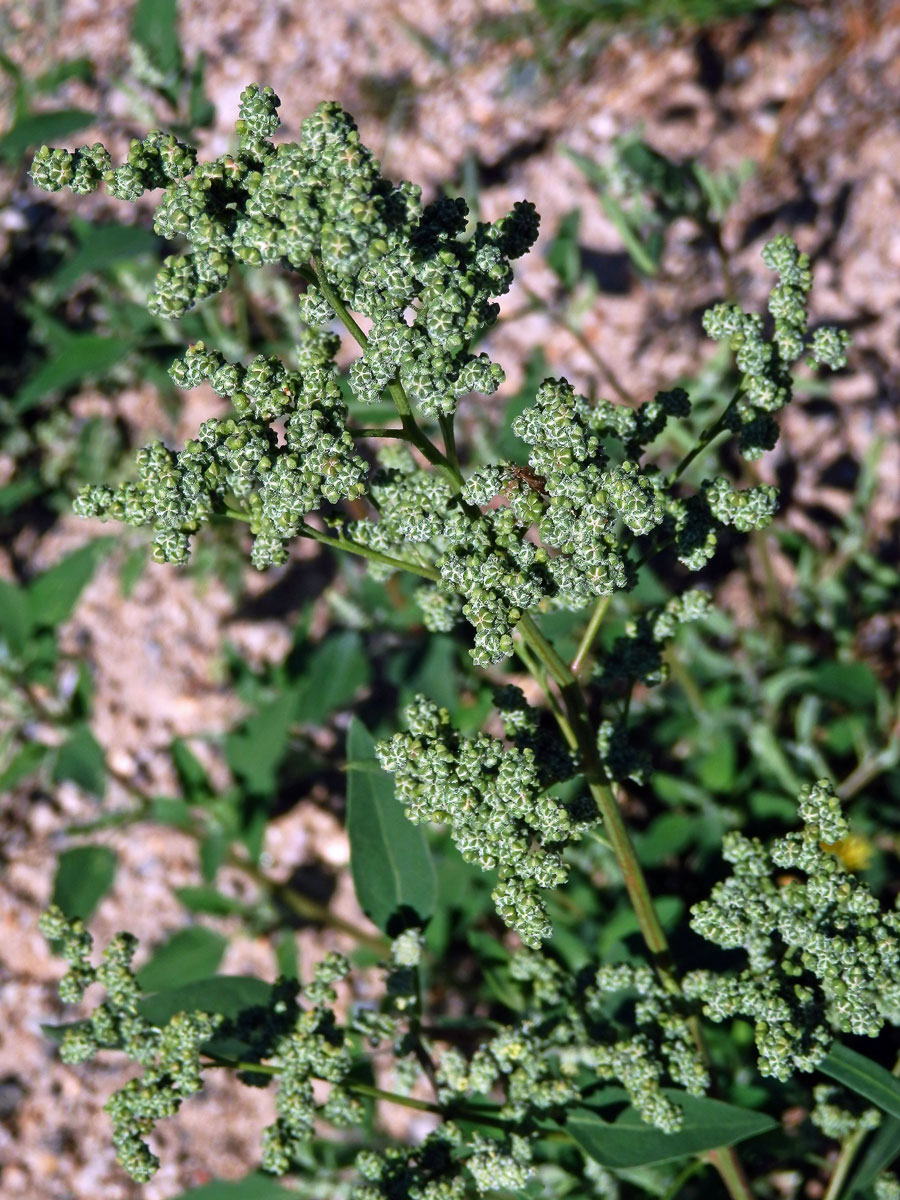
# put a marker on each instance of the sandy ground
(812, 100)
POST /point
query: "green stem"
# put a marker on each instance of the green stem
(616, 831)
(707, 436)
(725, 1160)
(587, 638)
(337, 304)
(400, 564)
(377, 431)
(849, 1148)
(449, 435)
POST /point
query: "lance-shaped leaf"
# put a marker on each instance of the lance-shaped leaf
(389, 857)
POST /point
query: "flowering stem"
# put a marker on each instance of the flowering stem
(587, 639)
(578, 720)
(341, 543)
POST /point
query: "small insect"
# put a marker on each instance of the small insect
(526, 475)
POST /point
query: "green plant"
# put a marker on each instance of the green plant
(584, 1062)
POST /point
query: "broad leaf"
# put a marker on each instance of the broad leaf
(389, 857)
(40, 128)
(85, 356)
(883, 1150)
(80, 759)
(154, 28)
(187, 956)
(206, 899)
(14, 619)
(53, 595)
(628, 1141)
(25, 763)
(83, 877)
(863, 1076)
(99, 246)
(252, 1187)
(337, 669)
(255, 750)
(229, 995)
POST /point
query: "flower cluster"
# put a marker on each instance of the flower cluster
(168, 1054)
(822, 956)
(491, 796)
(621, 1026)
(765, 362)
(239, 462)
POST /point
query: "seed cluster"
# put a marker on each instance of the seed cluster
(823, 958)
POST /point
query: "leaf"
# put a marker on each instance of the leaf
(206, 899)
(564, 252)
(252, 1187)
(37, 129)
(389, 857)
(85, 356)
(229, 995)
(190, 771)
(14, 618)
(256, 748)
(336, 670)
(25, 763)
(883, 1149)
(852, 684)
(83, 877)
(99, 246)
(629, 1142)
(863, 1076)
(155, 29)
(80, 759)
(52, 596)
(187, 956)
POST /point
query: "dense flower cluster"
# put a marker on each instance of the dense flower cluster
(240, 461)
(168, 1054)
(822, 956)
(494, 800)
(764, 361)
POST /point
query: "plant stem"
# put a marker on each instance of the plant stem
(849, 1147)
(725, 1160)
(347, 318)
(341, 543)
(587, 639)
(707, 436)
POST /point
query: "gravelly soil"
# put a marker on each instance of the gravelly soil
(810, 96)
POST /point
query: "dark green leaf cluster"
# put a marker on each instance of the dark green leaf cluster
(823, 958)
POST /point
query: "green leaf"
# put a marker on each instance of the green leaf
(252, 1187)
(81, 760)
(229, 995)
(187, 956)
(99, 246)
(15, 622)
(852, 684)
(564, 252)
(206, 899)
(336, 670)
(52, 596)
(85, 356)
(257, 747)
(628, 1141)
(863, 1076)
(883, 1149)
(155, 29)
(190, 771)
(36, 129)
(83, 877)
(25, 763)
(389, 857)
